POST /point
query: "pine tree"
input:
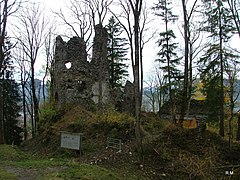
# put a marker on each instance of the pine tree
(117, 52)
(168, 58)
(220, 26)
(11, 112)
(11, 100)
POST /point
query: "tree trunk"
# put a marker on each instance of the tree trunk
(238, 128)
(35, 102)
(185, 82)
(101, 75)
(43, 86)
(168, 63)
(231, 114)
(1, 114)
(221, 130)
(4, 16)
(137, 92)
(190, 77)
(24, 111)
(2, 141)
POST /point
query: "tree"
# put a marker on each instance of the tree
(80, 21)
(186, 65)
(6, 9)
(49, 54)
(31, 34)
(161, 82)
(151, 91)
(186, 93)
(133, 18)
(23, 67)
(136, 8)
(12, 108)
(232, 72)
(234, 8)
(11, 98)
(167, 57)
(220, 27)
(133, 10)
(117, 52)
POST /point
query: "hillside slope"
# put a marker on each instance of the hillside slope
(170, 151)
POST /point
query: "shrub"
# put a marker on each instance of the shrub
(49, 115)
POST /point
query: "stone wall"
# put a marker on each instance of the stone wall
(76, 80)
(100, 64)
(72, 84)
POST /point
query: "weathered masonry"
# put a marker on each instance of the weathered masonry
(75, 79)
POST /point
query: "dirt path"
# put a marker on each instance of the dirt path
(32, 174)
(23, 173)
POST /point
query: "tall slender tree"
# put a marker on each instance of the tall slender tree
(6, 9)
(167, 57)
(117, 52)
(31, 34)
(186, 92)
(11, 98)
(131, 13)
(23, 67)
(220, 27)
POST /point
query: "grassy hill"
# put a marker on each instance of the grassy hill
(170, 152)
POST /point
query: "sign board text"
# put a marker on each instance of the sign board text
(71, 140)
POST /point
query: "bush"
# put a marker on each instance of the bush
(49, 115)
(113, 117)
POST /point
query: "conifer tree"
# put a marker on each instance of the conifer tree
(12, 130)
(167, 57)
(220, 27)
(117, 52)
(11, 99)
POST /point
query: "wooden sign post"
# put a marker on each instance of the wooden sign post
(72, 141)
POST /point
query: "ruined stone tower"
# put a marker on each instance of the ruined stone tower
(76, 80)
(100, 66)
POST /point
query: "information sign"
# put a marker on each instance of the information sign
(71, 140)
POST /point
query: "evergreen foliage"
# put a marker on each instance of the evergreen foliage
(11, 99)
(217, 20)
(220, 27)
(212, 90)
(117, 52)
(167, 56)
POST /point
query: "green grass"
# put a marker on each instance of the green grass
(12, 157)
(4, 175)
(10, 153)
(37, 163)
(85, 171)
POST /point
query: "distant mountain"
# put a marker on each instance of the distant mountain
(39, 90)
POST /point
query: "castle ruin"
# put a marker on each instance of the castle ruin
(75, 79)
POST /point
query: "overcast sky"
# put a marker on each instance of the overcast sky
(151, 49)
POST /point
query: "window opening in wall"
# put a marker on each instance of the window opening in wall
(68, 65)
